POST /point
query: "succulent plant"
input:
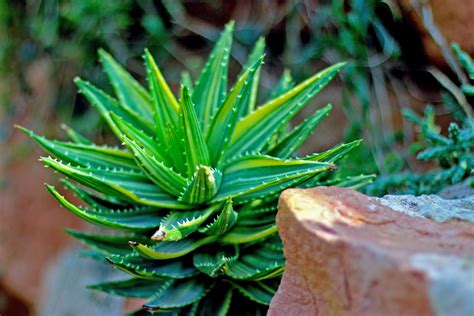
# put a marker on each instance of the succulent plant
(195, 182)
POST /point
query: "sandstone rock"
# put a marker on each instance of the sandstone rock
(452, 18)
(31, 228)
(348, 254)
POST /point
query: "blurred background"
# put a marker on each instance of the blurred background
(403, 89)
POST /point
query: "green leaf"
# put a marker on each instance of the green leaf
(94, 199)
(155, 169)
(133, 219)
(211, 86)
(214, 264)
(179, 294)
(150, 158)
(140, 288)
(255, 131)
(224, 221)
(187, 81)
(243, 234)
(260, 292)
(124, 184)
(352, 182)
(250, 101)
(294, 140)
(225, 120)
(131, 94)
(202, 187)
(170, 249)
(105, 104)
(284, 85)
(217, 302)
(254, 173)
(335, 154)
(257, 263)
(105, 244)
(165, 111)
(179, 225)
(195, 146)
(75, 136)
(153, 269)
(85, 155)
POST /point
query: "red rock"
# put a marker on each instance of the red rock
(31, 227)
(452, 18)
(347, 254)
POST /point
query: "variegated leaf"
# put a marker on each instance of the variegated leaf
(180, 293)
(250, 174)
(211, 86)
(250, 101)
(133, 219)
(75, 136)
(214, 264)
(257, 263)
(170, 249)
(244, 234)
(197, 152)
(254, 131)
(140, 288)
(106, 244)
(85, 155)
(105, 104)
(293, 141)
(225, 120)
(202, 187)
(124, 184)
(131, 94)
(153, 269)
(224, 221)
(178, 225)
(261, 292)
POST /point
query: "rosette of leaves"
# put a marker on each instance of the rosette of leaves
(194, 186)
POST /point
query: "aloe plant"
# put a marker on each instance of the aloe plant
(195, 182)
